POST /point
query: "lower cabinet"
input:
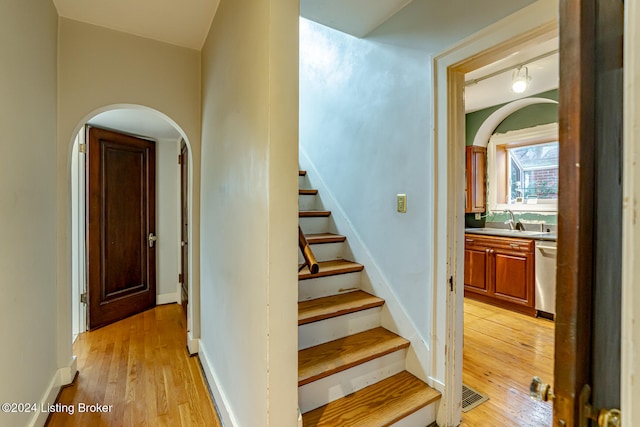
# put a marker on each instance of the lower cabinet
(500, 271)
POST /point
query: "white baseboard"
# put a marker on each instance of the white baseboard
(63, 376)
(168, 298)
(193, 344)
(226, 417)
(68, 373)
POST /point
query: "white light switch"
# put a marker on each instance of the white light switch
(402, 203)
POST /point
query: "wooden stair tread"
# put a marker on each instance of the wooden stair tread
(335, 356)
(335, 305)
(307, 192)
(318, 238)
(306, 214)
(380, 404)
(302, 173)
(331, 268)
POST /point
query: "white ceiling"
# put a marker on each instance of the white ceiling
(355, 17)
(180, 22)
(139, 122)
(497, 90)
(187, 22)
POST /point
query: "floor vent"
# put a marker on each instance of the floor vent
(471, 398)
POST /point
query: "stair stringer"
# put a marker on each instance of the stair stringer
(419, 359)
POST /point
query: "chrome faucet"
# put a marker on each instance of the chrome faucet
(513, 225)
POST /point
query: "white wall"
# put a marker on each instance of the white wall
(28, 363)
(249, 211)
(98, 68)
(167, 220)
(364, 123)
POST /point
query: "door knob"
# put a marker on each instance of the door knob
(609, 418)
(540, 391)
(152, 239)
(603, 417)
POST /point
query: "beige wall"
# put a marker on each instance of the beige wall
(28, 362)
(249, 211)
(99, 68)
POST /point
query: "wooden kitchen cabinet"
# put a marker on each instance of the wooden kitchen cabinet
(476, 185)
(500, 271)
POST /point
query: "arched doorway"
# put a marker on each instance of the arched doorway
(169, 137)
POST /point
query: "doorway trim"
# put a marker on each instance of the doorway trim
(531, 25)
(630, 353)
(193, 322)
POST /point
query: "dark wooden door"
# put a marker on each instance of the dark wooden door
(121, 226)
(184, 224)
(590, 203)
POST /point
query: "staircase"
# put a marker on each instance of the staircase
(351, 371)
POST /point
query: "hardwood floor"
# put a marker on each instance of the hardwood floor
(503, 350)
(141, 367)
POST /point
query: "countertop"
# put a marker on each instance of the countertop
(535, 235)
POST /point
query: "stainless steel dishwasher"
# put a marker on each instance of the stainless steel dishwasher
(546, 278)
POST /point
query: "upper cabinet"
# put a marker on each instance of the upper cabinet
(476, 164)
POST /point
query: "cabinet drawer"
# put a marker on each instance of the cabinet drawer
(507, 243)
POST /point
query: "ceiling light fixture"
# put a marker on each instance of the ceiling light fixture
(509, 68)
(520, 80)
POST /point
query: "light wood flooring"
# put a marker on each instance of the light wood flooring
(503, 350)
(139, 365)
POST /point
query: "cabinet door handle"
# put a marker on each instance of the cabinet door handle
(514, 245)
(470, 241)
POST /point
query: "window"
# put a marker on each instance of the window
(533, 173)
(523, 169)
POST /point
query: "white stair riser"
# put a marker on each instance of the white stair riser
(311, 225)
(327, 285)
(303, 182)
(326, 252)
(331, 329)
(336, 386)
(421, 418)
(308, 202)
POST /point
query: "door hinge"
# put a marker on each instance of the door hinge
(179, 159)
(451, 283)
(83, 298)
(82, 148)
(180, 278)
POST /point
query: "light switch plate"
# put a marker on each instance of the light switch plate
(402, 203)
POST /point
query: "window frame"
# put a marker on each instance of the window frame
(497, 158)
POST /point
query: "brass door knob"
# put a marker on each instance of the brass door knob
(609, 418)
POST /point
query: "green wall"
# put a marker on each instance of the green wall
(530, 116)
(533, 115)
